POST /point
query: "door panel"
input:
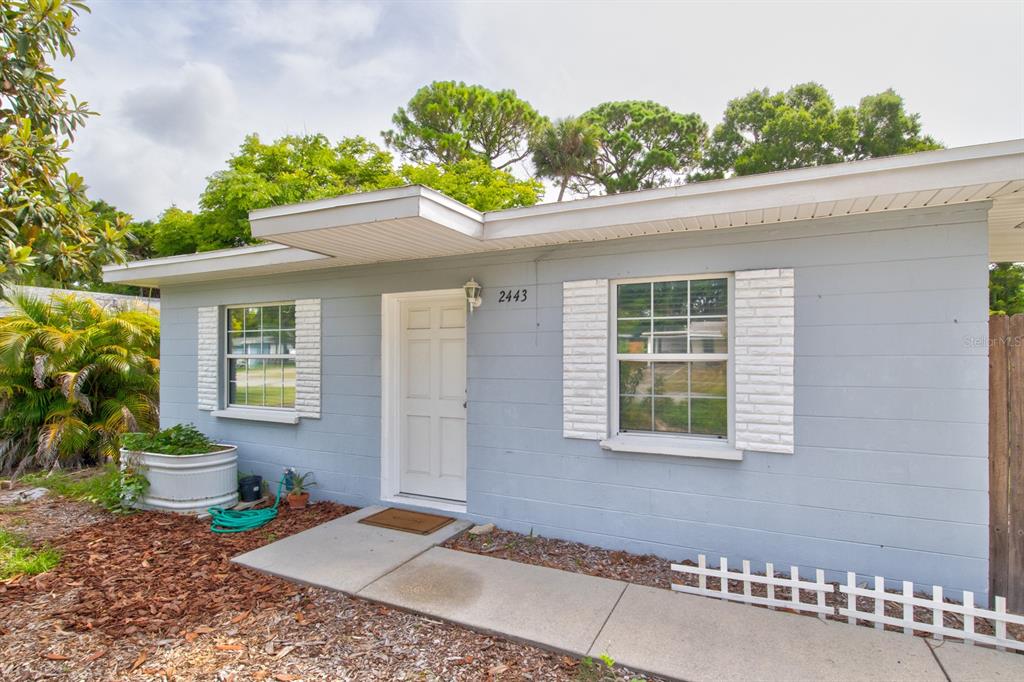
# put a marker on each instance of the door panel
(432, 442)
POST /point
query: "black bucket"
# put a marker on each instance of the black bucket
(250, 488)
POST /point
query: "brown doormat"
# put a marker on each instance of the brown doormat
(408, 521)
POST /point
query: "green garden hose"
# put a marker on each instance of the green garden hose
(232, 521)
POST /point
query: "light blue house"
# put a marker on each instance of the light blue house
(789, 367)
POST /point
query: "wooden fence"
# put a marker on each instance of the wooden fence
(906, 610)
(1006, 459)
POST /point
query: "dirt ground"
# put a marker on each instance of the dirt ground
(154, 597)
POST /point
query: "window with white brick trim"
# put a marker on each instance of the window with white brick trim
(260, 359)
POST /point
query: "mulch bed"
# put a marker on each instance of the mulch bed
(652, 571)
(154, 596)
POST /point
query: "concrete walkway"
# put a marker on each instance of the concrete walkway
(652, 630)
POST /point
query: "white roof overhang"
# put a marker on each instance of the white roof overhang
(414, 222)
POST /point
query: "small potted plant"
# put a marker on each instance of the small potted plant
(298, 496)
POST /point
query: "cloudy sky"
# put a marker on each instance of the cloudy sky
(180, 83)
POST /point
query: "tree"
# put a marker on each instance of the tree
(762, 132)
(642, 145)
(1006, 288)
(476, 184)
(45, 224)
(447, 122)
(175, 231)
(74, 376)
(565, 150)
(291, 169)
(884, 128)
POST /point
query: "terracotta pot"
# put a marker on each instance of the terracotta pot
(297, 501)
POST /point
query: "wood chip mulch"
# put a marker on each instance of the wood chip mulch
(154, 597)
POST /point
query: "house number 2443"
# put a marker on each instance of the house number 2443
(512, 295)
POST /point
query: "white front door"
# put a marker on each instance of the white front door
(432, 395)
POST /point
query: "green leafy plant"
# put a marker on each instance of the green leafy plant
(74, 377)
(115, 488)
(17, 557)
(300, 482)
(600, 670)
(181, 439)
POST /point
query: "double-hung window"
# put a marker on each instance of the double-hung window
(260, 355)
(671, 356)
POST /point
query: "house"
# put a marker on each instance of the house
(788, 367)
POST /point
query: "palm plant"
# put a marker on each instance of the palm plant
(565, 150)
(74, 376)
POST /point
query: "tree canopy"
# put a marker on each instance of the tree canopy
(447, 122)
(46, 229)
(476, 184)
(641, 145)
(762, 132)
(565, 150)
(1006, 288)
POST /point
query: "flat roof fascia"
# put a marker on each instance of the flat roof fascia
(150, 272)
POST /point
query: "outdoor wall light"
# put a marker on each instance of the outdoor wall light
(473, 298)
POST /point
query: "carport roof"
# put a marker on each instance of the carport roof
(415, 222)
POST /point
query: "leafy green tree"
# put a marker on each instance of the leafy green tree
(175, 231)
(565, 150)
(476, 184)
(762, 132)
(446, 122)
(291, 169)
(1006, 288)
(642, 145)
(45, 224)
(884, 128)
(74, 376)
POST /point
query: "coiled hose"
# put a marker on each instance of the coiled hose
(234, 521)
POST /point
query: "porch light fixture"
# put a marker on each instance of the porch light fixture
(473, 298)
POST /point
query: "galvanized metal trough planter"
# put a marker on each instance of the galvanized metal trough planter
(188, 484)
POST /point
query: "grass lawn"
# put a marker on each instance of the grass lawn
(18, 557)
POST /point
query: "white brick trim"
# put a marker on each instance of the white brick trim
(763, 360)
(307, 357)
(207, 357)
(585, 359)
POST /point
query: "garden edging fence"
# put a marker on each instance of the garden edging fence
(845, 601)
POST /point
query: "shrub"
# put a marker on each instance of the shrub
(113, 488)
(74, 376)
(182, 439)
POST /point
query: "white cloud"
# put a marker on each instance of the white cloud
(179, 84)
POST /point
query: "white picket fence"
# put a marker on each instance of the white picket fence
(999, 618)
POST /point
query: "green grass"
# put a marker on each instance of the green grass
(17, 557)
(100, 486)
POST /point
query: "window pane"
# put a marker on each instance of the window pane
(635, 378)
(288, 390)
(238, 372)
(288, 317)
(709, 336)
(270, 343)
(255, 382)
(671, 378)
(635, 414)
(633, 335)
(671, 415)
(252, 319)
(236, 319)
(709, 297)
(287, 343)
(271, 316)
(634, 300)
(707, 379)
(670, 299)
(669, 336)
(709, 416)
(236, 343)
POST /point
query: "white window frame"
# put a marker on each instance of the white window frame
(681, 444)
(236, 409)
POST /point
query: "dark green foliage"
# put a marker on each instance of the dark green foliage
(763, 132)
(565, 150)
(447, 122)
(181, 439)
(642, 145)
(74, 376)
(1006, 288)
